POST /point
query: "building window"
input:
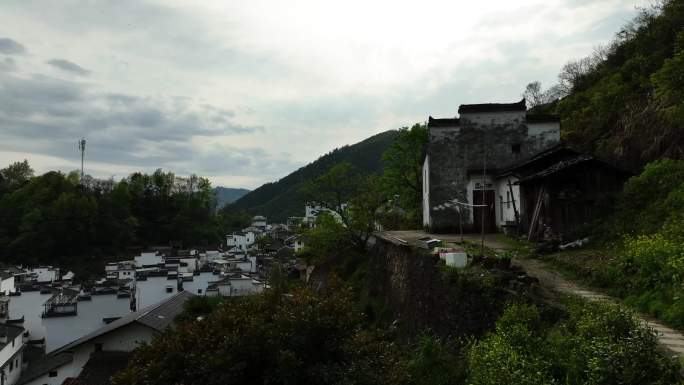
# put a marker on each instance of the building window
(515, 148)
(501, 210)
(52, 373)
(11, 366)
(508, 199)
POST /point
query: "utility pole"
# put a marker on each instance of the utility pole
(81, 147)
(484, 186)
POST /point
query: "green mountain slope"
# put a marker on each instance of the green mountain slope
(280, 200)
(626, 100)
(226, 195)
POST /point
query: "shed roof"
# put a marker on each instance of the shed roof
(581, 159)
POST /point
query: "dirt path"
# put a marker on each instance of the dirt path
(669, 338)
(549, 280)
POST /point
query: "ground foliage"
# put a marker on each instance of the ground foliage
(592, 343)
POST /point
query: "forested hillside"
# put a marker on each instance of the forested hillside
(226, 195)
(58, 219)
(626, 100)
(280, 200)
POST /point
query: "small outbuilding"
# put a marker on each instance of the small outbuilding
(562, 191)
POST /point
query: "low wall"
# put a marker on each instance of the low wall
(421, 293)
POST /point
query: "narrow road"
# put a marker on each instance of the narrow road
(672, 340)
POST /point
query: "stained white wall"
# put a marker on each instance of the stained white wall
(493, 118)
(8, 352)
(7, 285)
(148, 259)
(505, 211)
(426, 192)
(124, 339)
(543, 134)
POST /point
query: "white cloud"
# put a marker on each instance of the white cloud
(304, 76)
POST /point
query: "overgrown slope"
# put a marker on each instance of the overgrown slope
(626, 101)
(280, 200)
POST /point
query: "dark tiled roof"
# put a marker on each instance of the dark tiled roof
(5, 275)
(542, 118)
(160, 316)
(558, 150)
(492, 107)
(46, 364)
(448, 122)
(11, 331)
(157, 316)
(101, 367)
(559, 166)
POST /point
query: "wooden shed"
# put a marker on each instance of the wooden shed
(563, 191)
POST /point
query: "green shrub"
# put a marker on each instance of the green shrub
(649, 199)
(596, 343)
(433, 362)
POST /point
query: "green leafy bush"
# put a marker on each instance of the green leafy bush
(593, 344)
(649, 199)
(306, 337)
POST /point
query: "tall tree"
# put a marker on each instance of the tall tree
(403, 170)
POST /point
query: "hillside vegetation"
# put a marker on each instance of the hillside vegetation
(626, 101)
(280, 200)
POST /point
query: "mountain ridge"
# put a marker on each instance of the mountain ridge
(280, 199)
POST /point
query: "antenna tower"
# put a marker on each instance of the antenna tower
(81, 147)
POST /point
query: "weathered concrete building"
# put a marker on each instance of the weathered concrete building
(466, 154)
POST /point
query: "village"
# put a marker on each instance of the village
(508, 172)
(51, 324)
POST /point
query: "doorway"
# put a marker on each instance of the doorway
(484, 197)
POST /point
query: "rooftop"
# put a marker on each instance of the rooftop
(39, 367)
(101, 367)
(158, 317)
(446, 122)
(542, 118)
(492, 107)
(11, 331)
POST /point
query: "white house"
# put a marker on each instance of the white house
(126, 270)
(240, 241)
(235, 285)
(259, 221)
(44, 274)
(122, 335)
(6, 283)
(312, 211)
(465, 159)
(11, 353)
(148, 259)
(295, 242)
(188, 265)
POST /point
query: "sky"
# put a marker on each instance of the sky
(245, 92)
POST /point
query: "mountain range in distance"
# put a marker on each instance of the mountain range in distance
(227, 195)
(281, 199)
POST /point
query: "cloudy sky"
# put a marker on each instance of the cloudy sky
(244, 92)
